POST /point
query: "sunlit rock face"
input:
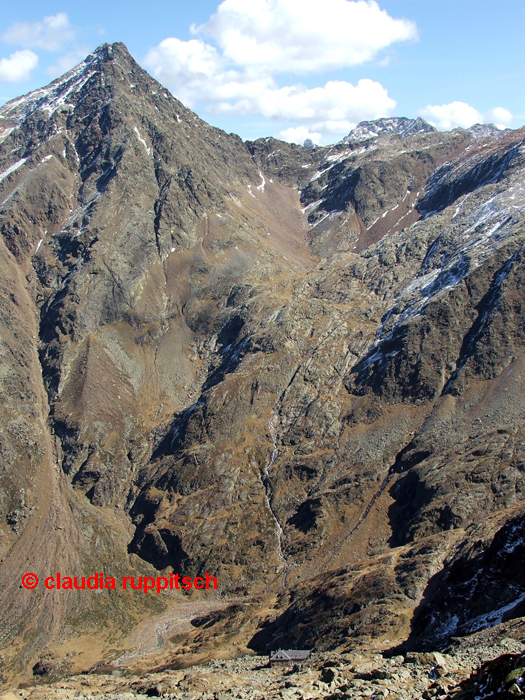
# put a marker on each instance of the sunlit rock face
(389, 125)
(297, 369)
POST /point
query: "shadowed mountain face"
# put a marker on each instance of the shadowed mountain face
(300, 370)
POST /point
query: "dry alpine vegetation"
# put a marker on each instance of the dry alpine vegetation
(300, 370)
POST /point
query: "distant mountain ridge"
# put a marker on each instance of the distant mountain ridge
(402, 126)
(481, 131)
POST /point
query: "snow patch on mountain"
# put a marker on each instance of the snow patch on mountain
(12, 169)
(61, 93)
(462, 176)
(481, 131)
(470, 239)
(391, 125)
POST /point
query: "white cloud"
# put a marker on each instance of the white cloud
(452, 115)
(461, 114)
(18, 66)
(335, 102)
(500, 116)
(299, 134)
(321, 133)
(336, 127)
(303, 36)
(181, 62)
(198, 74)
(190, 68)
(66, 62)
(52, 33)
(257, 41)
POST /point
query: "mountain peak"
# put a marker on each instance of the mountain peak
(109, 51)
(481, 131)
(402, 126)
(61, 95)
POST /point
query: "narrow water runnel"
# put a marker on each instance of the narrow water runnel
(265, 479)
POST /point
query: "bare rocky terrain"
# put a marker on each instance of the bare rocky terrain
(299, 370)
(483, 665)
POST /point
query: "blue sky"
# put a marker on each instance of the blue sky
(291, 68)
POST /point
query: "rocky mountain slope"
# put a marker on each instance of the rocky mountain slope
(299, 370)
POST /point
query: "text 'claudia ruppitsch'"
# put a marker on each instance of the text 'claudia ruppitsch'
(137, 583)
